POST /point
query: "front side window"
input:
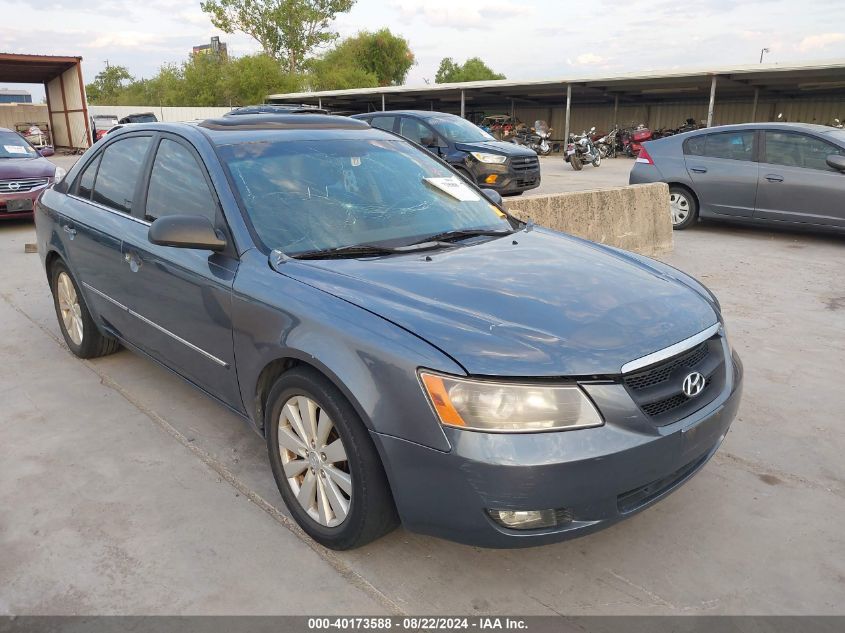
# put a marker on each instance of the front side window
(417, 132)
(383, 122)
(792, 149)
(119, 172)
(177, 185)
(311, 196)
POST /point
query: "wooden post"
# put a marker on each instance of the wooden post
(712, 105)
(568, 110)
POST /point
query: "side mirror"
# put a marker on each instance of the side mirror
(837, 162)
(46, 151)
(185, 231)
(492, 195)
(593, 129)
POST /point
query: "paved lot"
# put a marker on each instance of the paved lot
(124, 490)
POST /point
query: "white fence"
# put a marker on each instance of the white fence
(162, 113)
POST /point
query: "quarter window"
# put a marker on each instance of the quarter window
(177, 185)
(86, 180)
(798, 150)
(119, 172)
(730, 145)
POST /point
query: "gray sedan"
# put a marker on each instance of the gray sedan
(787, 174)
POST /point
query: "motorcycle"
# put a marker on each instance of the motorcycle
(537, 138)
(638, 137)
(609, 144)
(581, 149)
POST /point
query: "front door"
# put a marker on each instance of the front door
(796, 184)
(723, 171)
(182, 297)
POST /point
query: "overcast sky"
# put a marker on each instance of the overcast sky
(524, 39)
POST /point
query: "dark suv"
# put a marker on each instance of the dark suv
(505, 167)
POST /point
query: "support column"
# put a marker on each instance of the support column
(754, 107)
(513, 112)
(463, 105)
(616, 111)
(712, 105)
(320, 103)
(568, 110)
(382, 103)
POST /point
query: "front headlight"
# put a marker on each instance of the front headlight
(60, 173)
(482, 157)
(508, 407)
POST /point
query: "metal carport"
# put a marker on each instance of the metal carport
(67, 107)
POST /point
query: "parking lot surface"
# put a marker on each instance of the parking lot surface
(124, 490)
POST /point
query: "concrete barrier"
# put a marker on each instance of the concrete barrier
(635, 218)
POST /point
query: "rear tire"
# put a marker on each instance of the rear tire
(683, 207)
(326, 466)
(81, 334)
(576, 163)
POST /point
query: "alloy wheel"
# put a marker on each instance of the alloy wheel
(314, 461)
(680, 206)
(69, 307)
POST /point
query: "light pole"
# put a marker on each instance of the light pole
(762, 51)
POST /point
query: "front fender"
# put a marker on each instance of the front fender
(372, 361)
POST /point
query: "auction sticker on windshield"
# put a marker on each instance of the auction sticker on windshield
(15, 149)
(453, 186)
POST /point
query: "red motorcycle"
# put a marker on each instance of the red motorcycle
(638, 137)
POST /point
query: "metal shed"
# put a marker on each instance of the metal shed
(812, 92)
(67, 108)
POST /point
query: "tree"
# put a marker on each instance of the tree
(108, 84)
(287, 30)
(382, 54)
(249, 79)
(473, 69)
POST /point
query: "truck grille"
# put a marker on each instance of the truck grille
(21, 185)
(525, 163)
(658, 391)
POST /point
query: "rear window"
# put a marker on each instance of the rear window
(728, 145)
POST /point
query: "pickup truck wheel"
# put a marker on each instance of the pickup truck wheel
(325, 464)
(81, 334)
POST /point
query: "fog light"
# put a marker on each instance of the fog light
(491, 179)
(531, 519)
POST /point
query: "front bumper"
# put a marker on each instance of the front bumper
(600, 475)
(508, 179)
(26, 196)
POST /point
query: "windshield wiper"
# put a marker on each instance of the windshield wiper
(458, 234)
(363, 250)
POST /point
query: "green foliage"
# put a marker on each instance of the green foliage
(382, 54)
(474, 69)
(287, 30)
(108, 84)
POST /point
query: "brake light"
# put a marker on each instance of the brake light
(644, 157)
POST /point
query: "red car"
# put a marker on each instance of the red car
(24, 174)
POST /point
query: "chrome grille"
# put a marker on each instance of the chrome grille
(21, 185)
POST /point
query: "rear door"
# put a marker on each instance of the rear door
(723, 171)
(795, 182)
(182, 297)
(97, 216)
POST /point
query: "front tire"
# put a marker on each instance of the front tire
(325, 464)
(683, 206)
(81, 334)
(597, 160)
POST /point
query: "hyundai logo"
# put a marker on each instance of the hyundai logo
(693, 384)
(14, 186)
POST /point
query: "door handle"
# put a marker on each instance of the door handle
(69, 230)
(774, 178)
(699, 170)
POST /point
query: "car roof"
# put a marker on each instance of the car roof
(422, 114)
(276, 108)
(770, 125)
(264, 127)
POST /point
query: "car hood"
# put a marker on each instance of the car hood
(536, 303)
(37, 167)
(498, 147)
